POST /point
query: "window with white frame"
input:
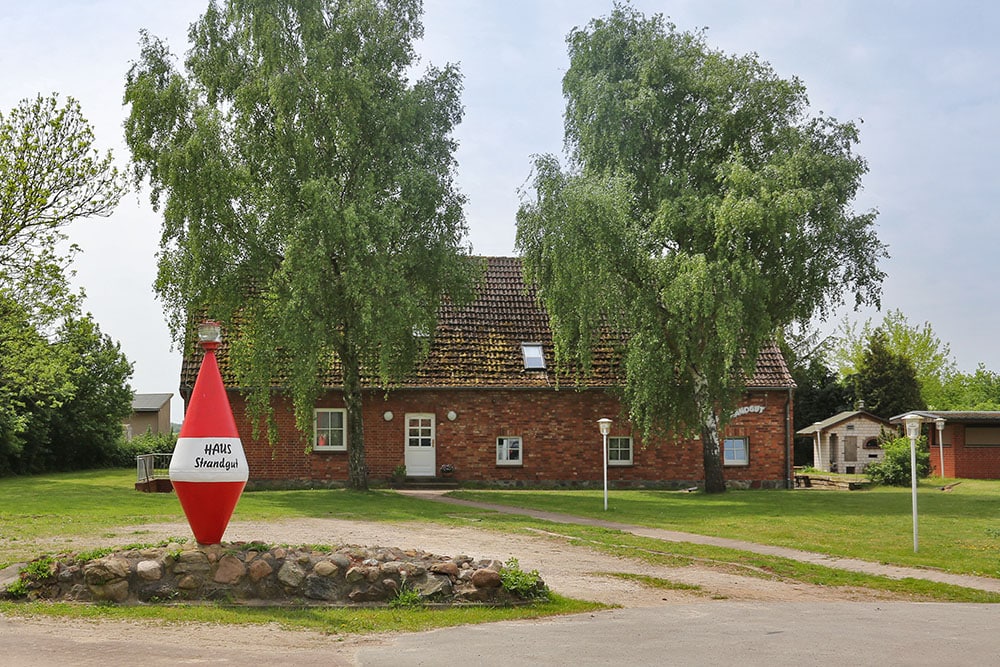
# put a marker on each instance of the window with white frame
(534, 356)
(509, 450)
(736, 451)
(330, 432)
(619, 451)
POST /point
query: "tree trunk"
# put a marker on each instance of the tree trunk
(357, 470)
(715, 481)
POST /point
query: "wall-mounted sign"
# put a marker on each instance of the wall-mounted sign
(747, 410)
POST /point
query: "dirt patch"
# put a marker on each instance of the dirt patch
(570, 570)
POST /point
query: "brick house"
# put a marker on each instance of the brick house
(846, 442)
(487, 403)
(969, 443)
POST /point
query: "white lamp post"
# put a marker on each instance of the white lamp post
(939, 422)
(913, 422)
(605, 425)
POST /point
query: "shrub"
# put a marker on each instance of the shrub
(526, 584)
(894, 468)
(407, 597)
(147, 443)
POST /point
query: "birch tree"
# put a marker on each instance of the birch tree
(702, 209)
(306, 184)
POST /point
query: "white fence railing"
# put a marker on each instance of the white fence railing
(152, 466)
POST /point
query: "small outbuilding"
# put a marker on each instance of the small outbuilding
(847, 442)
(150, 414)
(966, 445)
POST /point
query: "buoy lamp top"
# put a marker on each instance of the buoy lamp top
(209, 334)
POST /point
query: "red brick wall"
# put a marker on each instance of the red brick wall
(960, 460)
(561, 442)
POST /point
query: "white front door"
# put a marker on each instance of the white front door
(421, 460)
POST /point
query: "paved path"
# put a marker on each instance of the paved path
(852, 564)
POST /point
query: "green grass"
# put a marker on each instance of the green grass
(327, 620)
(959, 530)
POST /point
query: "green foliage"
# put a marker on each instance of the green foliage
(819, 393)
(886, 381)
(703, 210)
(930, 357)
(18, 589)
(306, 185)
(979, 390)
(87, 429)
(64, 399)
(407, 597)
(146, 443)
(526, 584)
(50, 175)
(39, 569)
(894, 468)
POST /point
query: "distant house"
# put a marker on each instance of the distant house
(846, 442)
(969, 443)
(485, 407)
(150, 414)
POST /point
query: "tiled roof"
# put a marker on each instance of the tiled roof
(479, 345)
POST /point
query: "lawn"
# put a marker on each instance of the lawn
(959, 530)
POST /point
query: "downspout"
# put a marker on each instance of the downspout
(788, 441)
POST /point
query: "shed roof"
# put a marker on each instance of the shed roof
(985, 417)
(840, 418)
(479, 344)
(149, 402)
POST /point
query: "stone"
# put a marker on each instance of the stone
(305, 576)
(291, 574)
(486, 579)
(259, 569)
(150, 570)
(192, 562)
(230, 570)
(116, 591)
(105, 570)
(448, 567)
(434, 586)
(320, 588)
(341, 561)
(325, 568)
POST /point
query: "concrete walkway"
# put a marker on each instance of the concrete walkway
(852, 564)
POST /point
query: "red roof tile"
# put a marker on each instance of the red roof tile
(479, 345)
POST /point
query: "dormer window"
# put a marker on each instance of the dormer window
(534, 356)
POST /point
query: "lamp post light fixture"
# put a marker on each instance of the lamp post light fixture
(605, 425)
(913, 422)
(939, 422)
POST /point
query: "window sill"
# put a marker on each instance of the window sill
(325, 450)
(615, 464)
(509, 464)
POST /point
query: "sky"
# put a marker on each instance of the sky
(920, 78)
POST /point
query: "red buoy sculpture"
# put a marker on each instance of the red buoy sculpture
(209, 468)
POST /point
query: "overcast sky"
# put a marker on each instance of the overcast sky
(922, 76)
